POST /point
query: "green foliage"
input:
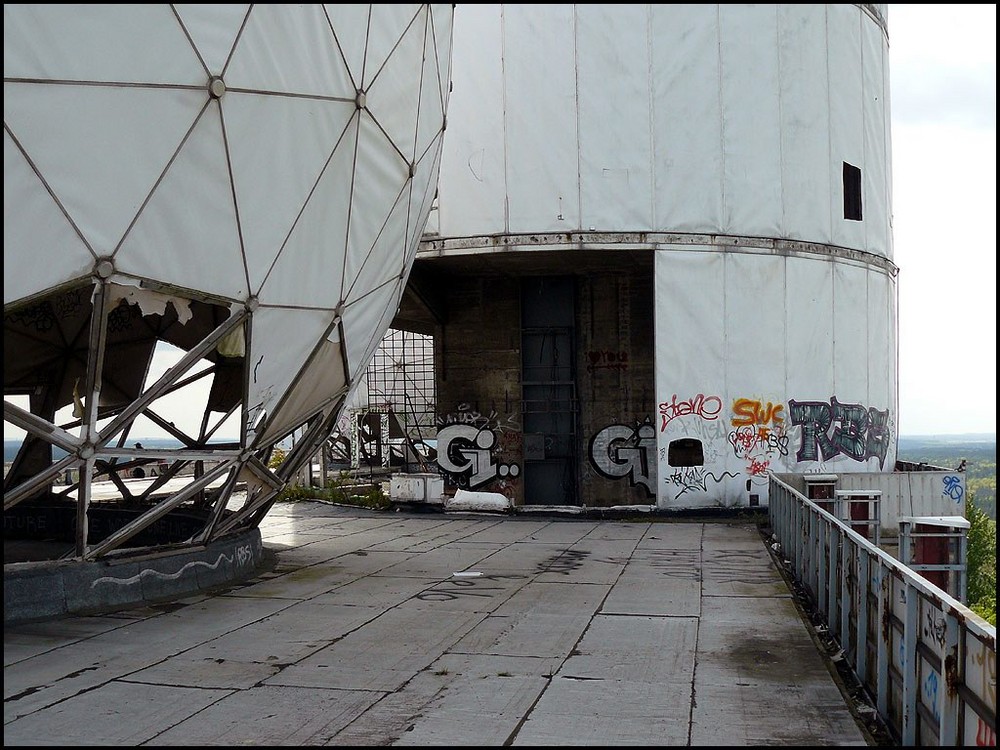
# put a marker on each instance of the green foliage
(278, 456)
(343, 491)
(981, 562)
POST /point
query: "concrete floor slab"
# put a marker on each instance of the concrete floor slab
(363, 660)
(117, 713)
(271, 716)
(580, 712)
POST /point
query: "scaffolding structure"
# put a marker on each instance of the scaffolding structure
(391, 422)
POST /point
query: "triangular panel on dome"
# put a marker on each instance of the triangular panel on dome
(187, 234)
(41, 250)
(350, 27)
(323, 378)
(133, 43)
(388, 24)
(393, 95)
(309, 269)
(278, 146)
(430, 115)
(442, 26)
(213, 29)
(384, 260)
(100, 149)
(422, 190)
(381, 175)
(289, 48)
(365, 323)
(281, 341)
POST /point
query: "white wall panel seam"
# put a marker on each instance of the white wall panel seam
(866, 241)
(868, 338)
(726, 385)
(833, 329)
(782, 208)
(503, 119)
(651, 88)
(723, 209)
(576, 109)
(784, 326)
(829, 124)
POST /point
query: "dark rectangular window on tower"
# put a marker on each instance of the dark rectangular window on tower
(852, 192)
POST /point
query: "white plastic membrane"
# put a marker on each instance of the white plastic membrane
(102, 161)
(259, 189)
(261, 59)
(130, 43)
(781, 363)
(282, 340)
(303, 273)
(851, 368)
(686, 110)
(55, 253)
(709, 119)
(615, 162)
(473, 186)
(214, 28)
(805, 127)
(547, 170)
(846, 113)
(810, 321)
(751, 129)
(165, 222)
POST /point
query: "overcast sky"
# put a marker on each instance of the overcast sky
(943, 97)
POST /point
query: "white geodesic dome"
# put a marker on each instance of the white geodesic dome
(246, 182)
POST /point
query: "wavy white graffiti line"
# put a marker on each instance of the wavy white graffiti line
(163, 576)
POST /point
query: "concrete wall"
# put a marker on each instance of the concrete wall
(478, 367)
(47, 590)
(616, 390)
(478, 371)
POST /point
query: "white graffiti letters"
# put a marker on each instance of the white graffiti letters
(618, 451)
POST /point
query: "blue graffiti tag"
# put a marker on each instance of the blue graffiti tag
(953, 488)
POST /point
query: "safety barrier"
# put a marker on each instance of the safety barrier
(927, 662)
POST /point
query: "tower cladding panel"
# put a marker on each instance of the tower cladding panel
(748, 148)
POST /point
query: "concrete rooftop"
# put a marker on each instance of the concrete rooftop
(448, 629)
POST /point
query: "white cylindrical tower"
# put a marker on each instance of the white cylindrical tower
(747, 149)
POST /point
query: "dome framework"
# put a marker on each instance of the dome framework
(217, 205)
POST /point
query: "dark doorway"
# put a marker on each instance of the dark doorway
(548, 390)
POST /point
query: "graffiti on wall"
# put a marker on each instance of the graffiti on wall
(710, 433)
(759, 436)
(834, 429)
(466, 456)
(747, 412)
(696, 478)
(606, 360)
(701, 406)
(466, 414)
(619, 451)
(952, 487)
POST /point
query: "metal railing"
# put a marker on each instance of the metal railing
(927, 662)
